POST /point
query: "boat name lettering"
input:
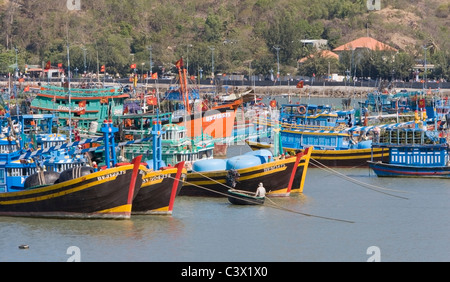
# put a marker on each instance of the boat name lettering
(274, 167)
(76, 109)
(114, 174)
(155, 178)
(218, 116)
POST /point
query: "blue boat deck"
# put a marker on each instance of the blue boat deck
(414, 147)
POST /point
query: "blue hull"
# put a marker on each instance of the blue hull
(392, 170)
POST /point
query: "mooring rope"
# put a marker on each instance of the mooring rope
(366, 185)
(274, 205)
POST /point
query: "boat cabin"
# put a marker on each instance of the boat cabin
(307, 115)
(413, 146)
(176, 146)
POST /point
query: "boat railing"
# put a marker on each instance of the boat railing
(306, 127)
(294, 126)
(405, 137)
(74, 92)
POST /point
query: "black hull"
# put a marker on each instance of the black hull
(103, 194)
(276, 177)
(337, 158)
(159, 190)
(349, 158)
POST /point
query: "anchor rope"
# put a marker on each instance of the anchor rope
(361, 183)
(273, 204)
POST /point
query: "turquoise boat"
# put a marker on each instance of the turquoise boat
(85, 108)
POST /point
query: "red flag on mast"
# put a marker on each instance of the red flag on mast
(179, 63)
(48, 65)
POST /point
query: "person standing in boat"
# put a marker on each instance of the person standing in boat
(261, 191)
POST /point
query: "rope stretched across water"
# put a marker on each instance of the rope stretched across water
(366, 185)
(272, 205)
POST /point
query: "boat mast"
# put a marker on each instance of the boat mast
(68, 92)
(183, 85)
(185, 90)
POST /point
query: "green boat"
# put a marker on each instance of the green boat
(86, 108)
(176, 145)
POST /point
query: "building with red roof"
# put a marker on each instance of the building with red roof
(323, 53)
(365, 43)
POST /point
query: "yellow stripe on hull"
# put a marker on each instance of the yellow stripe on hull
(109, 172)
(119, 209)
(54, 195)
(160, 211)
(279, 193)
(151, 174)
(305, 165)
(321, 157)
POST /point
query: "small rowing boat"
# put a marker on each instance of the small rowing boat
(240, 197)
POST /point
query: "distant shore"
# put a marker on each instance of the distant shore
(327, 91)
(331, 91)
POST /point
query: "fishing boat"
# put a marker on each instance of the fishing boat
(280, 176)
(85, 108)
(159, 190)
(32, 132)
(334, 158)
(198, 115)
(413, 152)
(79, 192)
(175, 143)
(238, 197)
(102, 194)
(161, 183)
(335, 140)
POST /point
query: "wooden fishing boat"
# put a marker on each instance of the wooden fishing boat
(280, 176)
(336, 142)
(330, 157)
(216, 121)
(106, 193)
(32, 132)
(159, 190)
(176, 146)
(413, 152)
(86, 108)
(238, 197)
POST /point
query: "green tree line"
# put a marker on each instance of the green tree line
(243, 37)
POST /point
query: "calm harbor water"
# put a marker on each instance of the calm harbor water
(346, 222)
(204, 230)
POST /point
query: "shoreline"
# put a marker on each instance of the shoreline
(348, 91)
(328, 91)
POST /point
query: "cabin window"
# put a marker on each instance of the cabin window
(2, 176)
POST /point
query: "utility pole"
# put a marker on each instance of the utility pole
(278, 61)
(425, 66)
(84, 55)
(151, 62)
(212, 61)
(16, 70)
(187, 58)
